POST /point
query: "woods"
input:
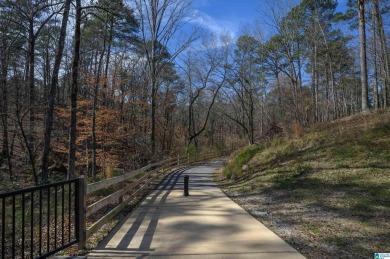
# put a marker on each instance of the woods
(90, 86)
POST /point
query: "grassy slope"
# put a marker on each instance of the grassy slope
(326, 193)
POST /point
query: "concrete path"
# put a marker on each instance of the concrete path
(207, 224)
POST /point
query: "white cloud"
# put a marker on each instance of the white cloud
(215, 26)
(201, 3)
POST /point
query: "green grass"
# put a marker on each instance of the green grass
(340, 169)
(234, 168)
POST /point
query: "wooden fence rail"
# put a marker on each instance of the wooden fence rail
(146, 176)
(40, 221)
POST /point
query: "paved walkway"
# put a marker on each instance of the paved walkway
(207, 224)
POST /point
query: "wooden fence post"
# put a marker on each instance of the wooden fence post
(80, 212)
(122, 186)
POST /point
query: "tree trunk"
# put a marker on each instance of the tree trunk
(45, 71)
(30, 152)
(153, 80)
(384, 60)
(374, 54)
(251, 117)
(105, 102)
(279, 90)
(193, 136)
(52, 93)
(153, 119)
(327, 94)
(315, 83)
(4, 103)
(73, 94)
(363, 57)
(31, 84)
(191, 120)
(333, 87)
(94, 107)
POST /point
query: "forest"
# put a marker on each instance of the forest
(87, 87)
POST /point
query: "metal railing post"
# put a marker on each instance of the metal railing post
(80, 213)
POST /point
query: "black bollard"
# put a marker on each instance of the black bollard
(186, 179)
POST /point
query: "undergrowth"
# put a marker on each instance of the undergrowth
(234, 167)
(330, 186)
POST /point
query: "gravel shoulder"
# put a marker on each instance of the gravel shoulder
(316, 231)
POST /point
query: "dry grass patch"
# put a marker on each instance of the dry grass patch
(326, 193)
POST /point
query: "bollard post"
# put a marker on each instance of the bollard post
(186, 179)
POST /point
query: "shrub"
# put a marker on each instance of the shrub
(190, 149)
(234, 166)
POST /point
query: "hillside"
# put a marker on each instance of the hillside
(327, 192)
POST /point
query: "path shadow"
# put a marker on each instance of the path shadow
(166, 185)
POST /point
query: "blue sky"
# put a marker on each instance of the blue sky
(228, 15)
(232, 15)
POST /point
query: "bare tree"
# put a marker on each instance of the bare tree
(160, 21)
(74, 92)
(4, 62)
(384, 58)
(52, 91)
(363, 56)
(245, 82)
(206, 74)
(374, 58)
(29, 16)
(289, 42)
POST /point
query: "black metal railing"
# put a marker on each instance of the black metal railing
(38, 222)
